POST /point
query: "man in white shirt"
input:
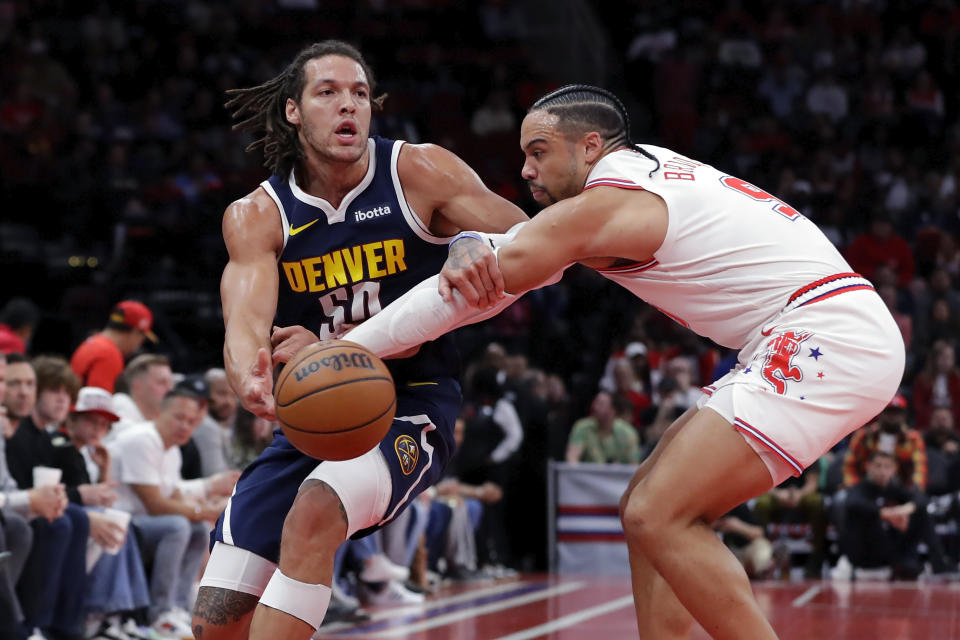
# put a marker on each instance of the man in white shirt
(171, 515)
(148, 377)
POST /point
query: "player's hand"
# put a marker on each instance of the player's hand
(98, 495)
(48, 502)
(471, 268)
(286, 341)
(256, 388)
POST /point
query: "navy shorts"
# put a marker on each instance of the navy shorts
(268, 486)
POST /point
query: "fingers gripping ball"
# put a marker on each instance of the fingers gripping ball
(335, 400)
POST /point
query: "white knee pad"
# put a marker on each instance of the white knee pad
(304, 601)
(237, 569)
(363, 485)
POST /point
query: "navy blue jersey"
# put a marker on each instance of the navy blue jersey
(341, 266)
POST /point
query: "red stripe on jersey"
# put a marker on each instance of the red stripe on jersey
(836, 292)
(607, 183)
(819, 283)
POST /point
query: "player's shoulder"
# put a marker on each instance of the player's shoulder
(254, 218)
(427, 163)
(256, 202)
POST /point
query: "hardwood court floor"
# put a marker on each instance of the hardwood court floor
(595, 608)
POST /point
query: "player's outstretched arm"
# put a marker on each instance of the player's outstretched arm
(450, 197)
(421, 314)
(248, 291)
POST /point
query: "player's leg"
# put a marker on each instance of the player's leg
(247, 540)
(704, 471)
(659, 612)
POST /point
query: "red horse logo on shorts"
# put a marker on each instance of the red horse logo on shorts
(777, 363)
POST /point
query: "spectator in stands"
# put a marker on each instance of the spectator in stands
(798, 499)
(117, 580)
(222, 411)
(31, 445)
(747, 539)
(938, 385)
(21, 391)
(18, 319)
(882, 526)
(99, 359)
(891, 434)
(16, 536)
(148, 377)
(251, 435)
(171, 515)
(455, 511)
(51, 585)
(881, 246)
(212, 440)
(943, 453)
(629, 388)
(602, 437)
(494, 115)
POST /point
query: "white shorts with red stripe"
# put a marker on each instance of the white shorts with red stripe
(825, 366)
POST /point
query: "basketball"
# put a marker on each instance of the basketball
(335, 400)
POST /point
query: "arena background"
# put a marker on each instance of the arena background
(117, 159)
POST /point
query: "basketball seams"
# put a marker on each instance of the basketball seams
(334, 385)
(324, 346)
(392, 407)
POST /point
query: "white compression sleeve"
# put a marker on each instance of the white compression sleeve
(421, 315)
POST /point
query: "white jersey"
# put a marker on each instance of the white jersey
(733, 255)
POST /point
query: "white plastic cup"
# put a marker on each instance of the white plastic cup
(121, 518)
(46, 476)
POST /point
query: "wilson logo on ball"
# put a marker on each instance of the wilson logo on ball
(335, 362)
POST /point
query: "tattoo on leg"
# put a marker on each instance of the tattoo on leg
(221, 606)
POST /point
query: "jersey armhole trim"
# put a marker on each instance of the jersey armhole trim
(413, 220)
(283, 214)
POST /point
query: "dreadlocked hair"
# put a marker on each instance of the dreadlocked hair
(583, 107)
(262, 109)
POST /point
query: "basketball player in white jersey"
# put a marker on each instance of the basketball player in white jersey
(819, 353)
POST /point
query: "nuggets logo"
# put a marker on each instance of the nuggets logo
(408, 452)
(778, 367)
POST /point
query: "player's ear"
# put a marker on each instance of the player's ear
(292, 111)
(592, 147)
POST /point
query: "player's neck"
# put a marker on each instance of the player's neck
(330, 180)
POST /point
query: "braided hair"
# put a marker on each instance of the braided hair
(583, 107)
(262, 109)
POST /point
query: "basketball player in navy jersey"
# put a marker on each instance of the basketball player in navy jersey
(346, 224)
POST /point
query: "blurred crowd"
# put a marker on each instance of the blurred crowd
(117, 160)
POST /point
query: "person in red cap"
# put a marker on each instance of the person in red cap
(99, 359)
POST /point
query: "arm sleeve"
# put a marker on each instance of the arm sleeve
(507, 419)
(421, 315)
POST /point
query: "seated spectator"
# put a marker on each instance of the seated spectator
(882, 524)
(214, 435)
(629, 388)
(251, 435)
(147, 378)
(938, 385)
(16, 538)
(117, 582)
(943, 441)
(602, 437)
(798, 499)
(54, 388)
(747, 539)
(891, 434)
(171, 515)
(21, 391)
(51, 581)
(18, 319)
(99, 359)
